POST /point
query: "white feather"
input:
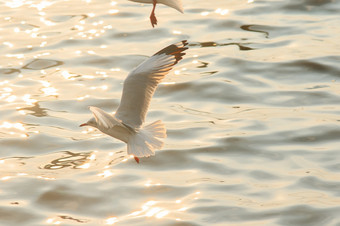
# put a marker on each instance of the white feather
(146, 141)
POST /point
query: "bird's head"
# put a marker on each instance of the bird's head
(92, 122)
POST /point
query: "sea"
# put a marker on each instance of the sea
(252, 113)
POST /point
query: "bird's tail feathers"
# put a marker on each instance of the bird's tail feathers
(146, 140)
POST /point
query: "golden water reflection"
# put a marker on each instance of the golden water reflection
(111, 220)
(106, 173)
(159, 209)
(16, 129)
(16, 125)
(32, 33)
(48, 90)
(222, 12)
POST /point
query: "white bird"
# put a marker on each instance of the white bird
(176, 4)
(139, 86)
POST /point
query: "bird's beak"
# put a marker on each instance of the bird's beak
(84, 124)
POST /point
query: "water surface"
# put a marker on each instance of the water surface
(252, 113)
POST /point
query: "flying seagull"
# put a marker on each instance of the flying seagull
(139, 86)
(176, 4)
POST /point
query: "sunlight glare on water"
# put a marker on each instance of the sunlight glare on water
(251, 112)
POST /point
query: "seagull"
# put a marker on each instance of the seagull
(176, 4)
(126, 124)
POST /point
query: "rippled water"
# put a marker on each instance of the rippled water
(252, 113)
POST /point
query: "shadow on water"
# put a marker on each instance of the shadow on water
(251, 27)
(36, 110)
(242, 47)
(66, 163)
(63, 18)
(40, 64)
(69, 159)
(9, 71)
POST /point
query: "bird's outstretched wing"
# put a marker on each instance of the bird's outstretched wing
(141, 83)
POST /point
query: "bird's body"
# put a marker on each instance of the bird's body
(127, 123)
(175, 4)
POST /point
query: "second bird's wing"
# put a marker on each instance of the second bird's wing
(141, 83)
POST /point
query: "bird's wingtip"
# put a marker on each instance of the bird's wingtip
(92, 108)
(176, 50)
